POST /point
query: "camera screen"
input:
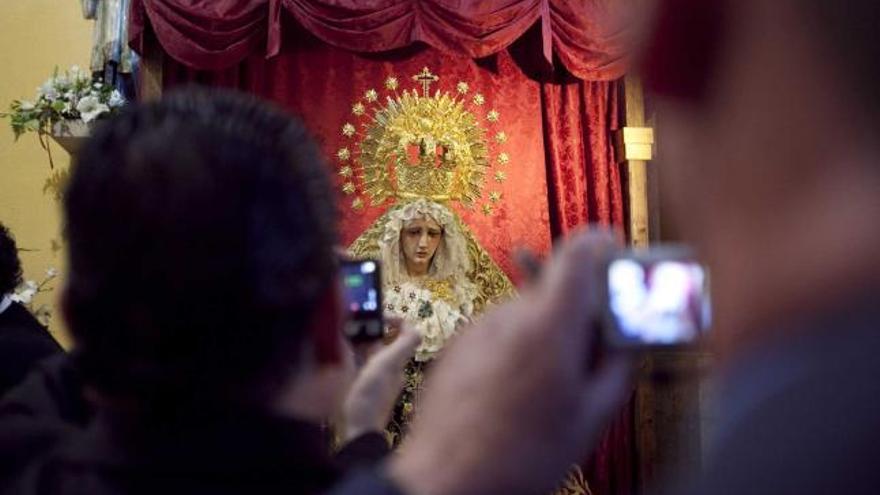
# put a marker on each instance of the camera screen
(658, 302)
(360, 282)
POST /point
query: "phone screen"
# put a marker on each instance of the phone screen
(362, 283)
(658, 301)
(361, 286)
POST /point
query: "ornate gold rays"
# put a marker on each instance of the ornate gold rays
(415, 145)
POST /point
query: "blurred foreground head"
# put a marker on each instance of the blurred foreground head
(10, 266)
(768, 117)
(200, 233)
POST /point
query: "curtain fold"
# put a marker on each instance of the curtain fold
(204, 35)
(212, 35)
(583, 178)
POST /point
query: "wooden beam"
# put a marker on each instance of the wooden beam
(635, 169)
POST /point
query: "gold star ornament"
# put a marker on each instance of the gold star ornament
(348, 188)
(371, 95)
(345, 172)
(391, 83)
(501, 137)
(357, 204)
(492, 116)
(487, 210)
(494, 196)
(503, 158)
(343, 154)
(479, 99)
(358, 109)
(348, 130)
(500, 176)
(462, 87)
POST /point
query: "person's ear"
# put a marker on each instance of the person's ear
(325, 327)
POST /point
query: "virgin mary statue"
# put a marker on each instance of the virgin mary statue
(423, 152)
(425, 260)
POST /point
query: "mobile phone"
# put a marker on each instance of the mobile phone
(362, 293)
(656, 297)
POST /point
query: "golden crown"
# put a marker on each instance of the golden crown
(419, 146)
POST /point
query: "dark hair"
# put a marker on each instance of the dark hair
(10, 266)
(200, 232)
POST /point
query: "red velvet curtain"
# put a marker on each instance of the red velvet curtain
(578, 117)
(562, 171)
(215, 34)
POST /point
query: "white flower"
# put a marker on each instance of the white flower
(116, 99)
(47, 90)
(25, 294)
(23, 297)
(91, 108)
(61, 82)
(26, 106)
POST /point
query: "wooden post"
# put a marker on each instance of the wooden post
(635, 148)
(151, 68)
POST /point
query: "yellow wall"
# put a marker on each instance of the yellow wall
(35, 36)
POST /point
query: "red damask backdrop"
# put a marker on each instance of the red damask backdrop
(547, 66)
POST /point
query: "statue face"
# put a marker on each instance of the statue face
(419, 240)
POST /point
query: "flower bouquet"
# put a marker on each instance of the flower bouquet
(64, 107)
(24, 294)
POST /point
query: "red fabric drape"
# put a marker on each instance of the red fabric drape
(562, 172)
(578, 118)
(212, 35)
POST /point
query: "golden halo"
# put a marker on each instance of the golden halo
(429, 147)
(420, 146)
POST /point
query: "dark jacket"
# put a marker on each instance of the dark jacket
(802, 416)
(23, 342)
(52, 443)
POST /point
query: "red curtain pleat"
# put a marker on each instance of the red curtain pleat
(212, 35)
(583, 178)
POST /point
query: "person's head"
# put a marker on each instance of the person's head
(10, 266)
(200, 231)
(767, 115)
(419, 240)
